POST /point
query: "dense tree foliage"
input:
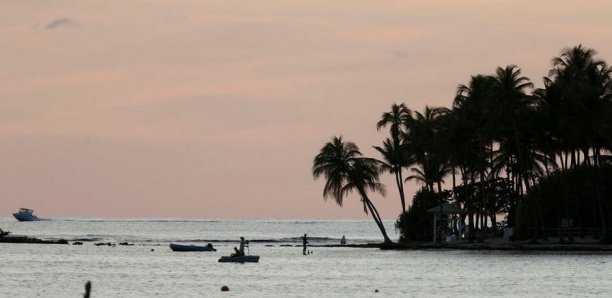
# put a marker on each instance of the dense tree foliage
(501, 138)
(538, 157)
(591, 191)
(416, 224)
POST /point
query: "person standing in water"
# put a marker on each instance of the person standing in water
(304, 243)
(241, 249)
(343, 240)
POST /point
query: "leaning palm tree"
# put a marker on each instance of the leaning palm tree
(345, 171)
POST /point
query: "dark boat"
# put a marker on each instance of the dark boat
(241, 259)
(179, 247)
(25, 214)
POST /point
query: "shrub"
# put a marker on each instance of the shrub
(416, 224)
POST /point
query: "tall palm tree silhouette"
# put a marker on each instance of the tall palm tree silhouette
(346, 170)
(395, 158)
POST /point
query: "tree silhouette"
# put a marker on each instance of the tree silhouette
(346, 170)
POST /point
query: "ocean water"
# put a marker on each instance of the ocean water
(150, 269)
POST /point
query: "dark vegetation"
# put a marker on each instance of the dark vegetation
(4, 233)
(540, 158)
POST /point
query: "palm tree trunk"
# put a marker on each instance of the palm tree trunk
(559, 231)
(441, 210)
(379, 222)
(604, 227)
(587, 160)
(400, 186)
(454, 182)
(376, 216)
(570, 237)
(471, 207)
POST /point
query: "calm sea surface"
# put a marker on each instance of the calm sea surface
(150, 269)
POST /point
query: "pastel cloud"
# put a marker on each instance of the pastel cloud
(61, 22)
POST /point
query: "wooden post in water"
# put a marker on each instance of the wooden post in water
(87, 289)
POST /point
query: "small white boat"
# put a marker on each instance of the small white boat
(179, 247)
(240, 259)
(25, 214)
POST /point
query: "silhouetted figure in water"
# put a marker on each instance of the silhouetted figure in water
(87, 289)
(242, 243)
(239, 252)
(343, 240)
(304, 243)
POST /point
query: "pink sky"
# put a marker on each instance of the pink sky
(215, 109)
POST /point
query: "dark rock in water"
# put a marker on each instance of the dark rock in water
(77, 243)
(286, 245)
(125, 243)
(85, 239)
(25, 239)
(104, 243)
(224, 288)
(152, 249)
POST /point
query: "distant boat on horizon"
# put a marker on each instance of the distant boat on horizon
(25, 214)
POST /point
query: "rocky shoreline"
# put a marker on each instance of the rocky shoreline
(30, 240)
(505, 246)
(495, 245)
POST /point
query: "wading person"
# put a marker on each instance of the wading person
(304, 243)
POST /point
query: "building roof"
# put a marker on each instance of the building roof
(447, 208)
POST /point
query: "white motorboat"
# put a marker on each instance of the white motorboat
(25, 214)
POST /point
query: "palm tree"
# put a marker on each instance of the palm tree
(396, 118)
(422, 142)
(395, 158)
(471, 137)
(586, 83)
(345, 171)
(586, 86)
(511, 111)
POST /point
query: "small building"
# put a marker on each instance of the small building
(451, 211)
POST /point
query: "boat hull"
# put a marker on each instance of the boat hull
(242, 259)
(25, 217)
(179, 247)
